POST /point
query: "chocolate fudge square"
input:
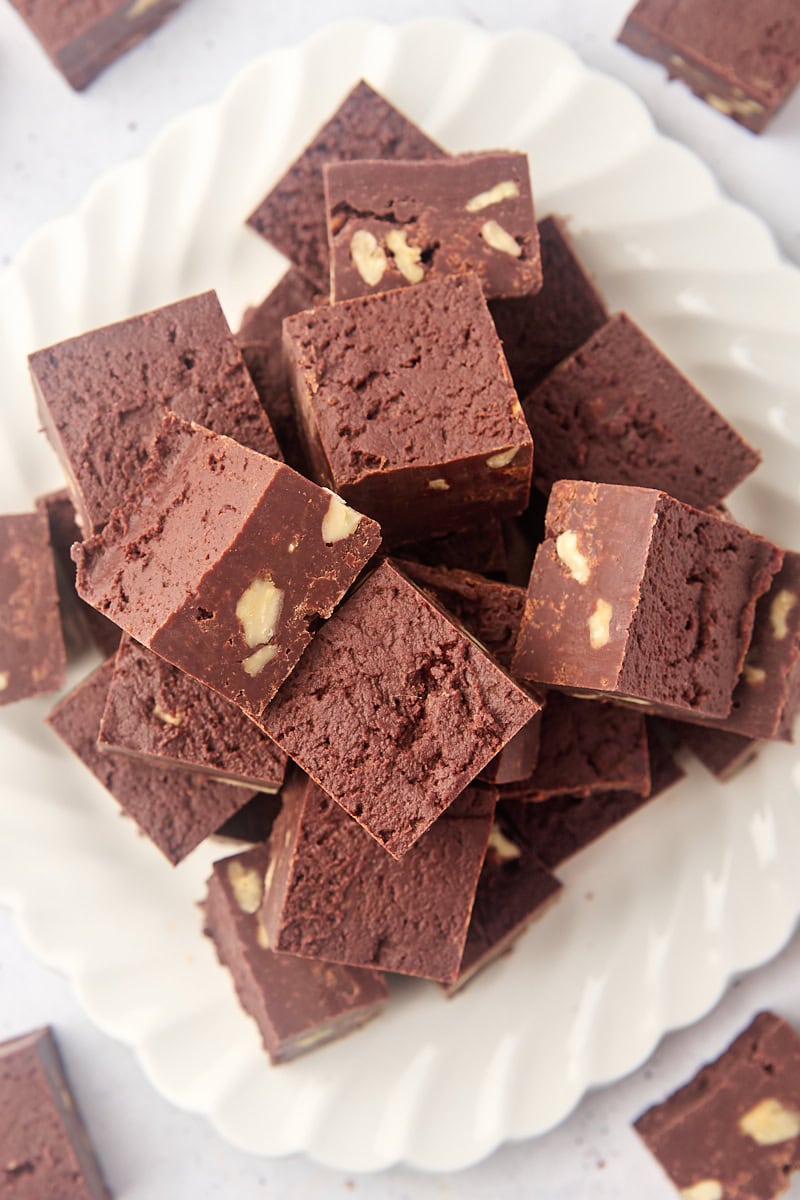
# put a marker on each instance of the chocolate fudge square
(618, 411)
(32, 655)
(259, 339)
(332, 893)
(734, 1130)
(292, 214)
(637, 596)
(225, 562)
(158, 714)
(296, 1003)
(102, 396)
(539, 330)
(391, 224)
(175, 809)
(408, 407)
(394, 709)
(745, 64)
(45, 1152)
(82, 39)
(723, 754)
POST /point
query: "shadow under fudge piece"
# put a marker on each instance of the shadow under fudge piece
(408, 408)
(733, 1130)
(158, 714)
(45, 1152)
(292, 214)
(102, 396)
(298, 1004)
(394, 223)
(225, 562)
(175, 809)
(394, 709)
(618, 411)
(745, 64)
(32, 655)
(634, 595)
(481, 548)
(253, 822)
(333, 893)
(540, 330)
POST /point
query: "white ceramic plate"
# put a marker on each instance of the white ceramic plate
(654, 919)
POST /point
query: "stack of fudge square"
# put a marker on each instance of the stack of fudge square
(364, 627)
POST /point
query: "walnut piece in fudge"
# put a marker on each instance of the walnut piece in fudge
(102, 396)
(174, 808)
(292, 214)
(391, 224)
(635, 595)
(734, 1130)
(158, 714)
(746, 66)
(408, 407)
(394, 709)
(333, 893)
(224, 563)
(32, 655)
(296, 1003)
(618, 411)
(83, 39)
(45, 1152)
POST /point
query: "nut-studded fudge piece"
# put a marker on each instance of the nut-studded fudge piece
(394, 709)
(102, 396)
(618, 411)
(296, 1003)
(481, 549)
(408, 407)
(539, 330)
(175, 809)
(391, 224)
(224, 562)
(32, 655)
(292, 214)
(635, 595)
(734, 1130)
(45, 1152)
(514, 888)
(83, 39)
(332, 893)
(259, 339)
(745, 66)
(161, 715)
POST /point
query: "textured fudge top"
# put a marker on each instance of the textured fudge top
(45, 1153)
(393, 709)
(292, 214)
(102, 395)
(761, 46)
(175, 809)
(618, 411)
(396, 223)
(736, 1125)
(155, 710)
(410, 377)
(32, 654)
(538, 331)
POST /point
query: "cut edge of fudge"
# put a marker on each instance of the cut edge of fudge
(33, 656)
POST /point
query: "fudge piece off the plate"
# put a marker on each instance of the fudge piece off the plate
(391, 224)
(332, 893)
(292, 215)
(102, 396)
(734, 1130)
(32, 654)
(224, 562)
(298, 1004)
(408, 407)
(635, 595)
(394, 709)
(45, 1152)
